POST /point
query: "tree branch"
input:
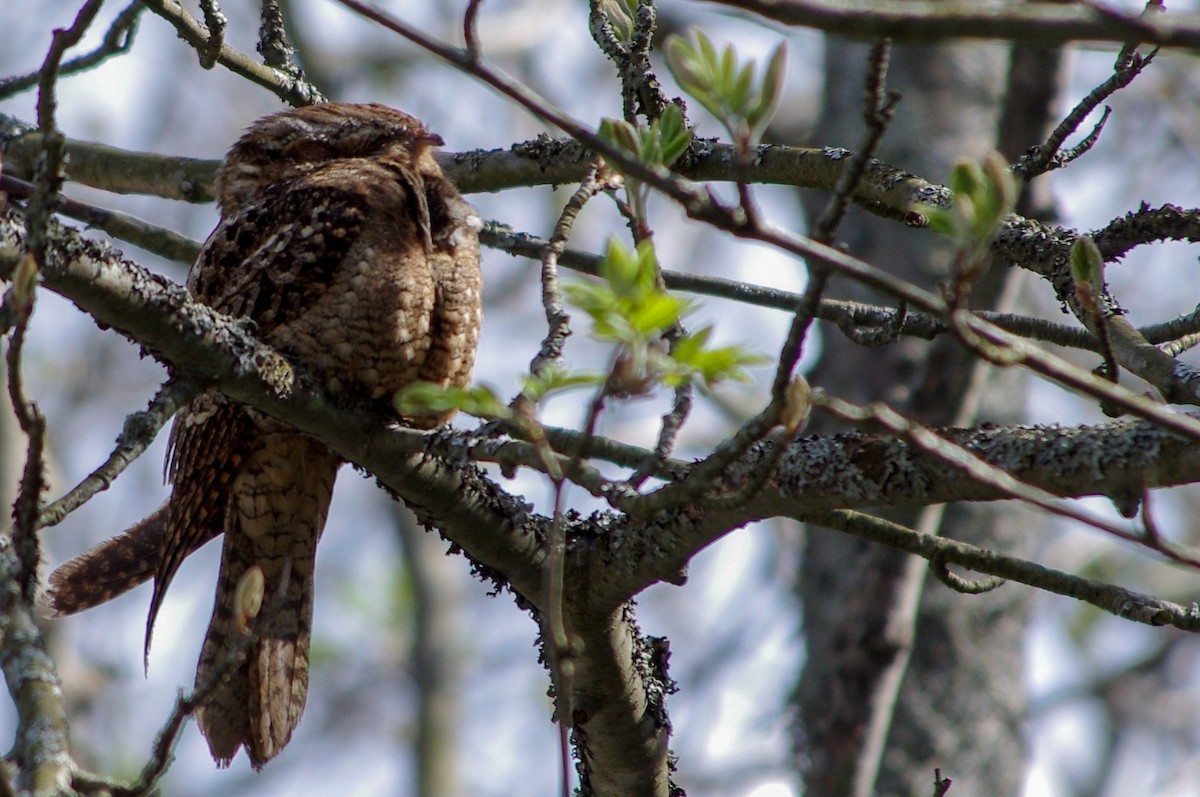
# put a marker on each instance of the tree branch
(291, 88)
(1038, 22)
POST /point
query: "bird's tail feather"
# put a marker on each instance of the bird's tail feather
(266, 591)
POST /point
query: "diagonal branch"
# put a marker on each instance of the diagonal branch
(291, 88)
(1037, 22)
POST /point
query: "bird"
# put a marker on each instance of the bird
(353, 255)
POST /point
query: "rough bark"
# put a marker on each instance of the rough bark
(871, 722)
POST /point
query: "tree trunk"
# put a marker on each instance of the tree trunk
(900, 680)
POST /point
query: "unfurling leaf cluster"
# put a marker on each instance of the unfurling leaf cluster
(631, 309)
(621, 15)
(726, 87)
(984, 195)
(627, 307)
(660, 144)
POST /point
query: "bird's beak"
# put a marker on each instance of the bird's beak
(429, 139)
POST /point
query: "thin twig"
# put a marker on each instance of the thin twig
(272, 39)
(1046, 157)
(158, 240)
(41, 752)
(1174, 348)
(556, 317)
(1041, 23)
(470, 29)
(985, 473)
(941, 786)
(117, 41)
(878, 109)
(640, 89)
(41, 747)
(847, 315)
(1116, 600)
(138, 433)
(940, 569)
(874, 335)
(668, 432)
(292, 89)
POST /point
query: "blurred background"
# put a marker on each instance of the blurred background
(1112, 706)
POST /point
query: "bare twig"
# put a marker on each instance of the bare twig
(136, 436)
(876, 335)
(941, 786)
(556, 317)
(1046, 157)
(884, 322)
(672, 422)
(117, 41)
(214, 24)
(640, 89)
(986, 473)
(272, 39)
(1116, 600)
(940, 569)
(879, 106)
(41, 753)
(158, 240)
(292, 89)
(470, 28)
(41, 749)
(1039, 23)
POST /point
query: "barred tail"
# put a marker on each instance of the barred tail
(278, 511)
(112, 568)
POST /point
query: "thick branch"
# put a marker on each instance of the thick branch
(884, 188)
(619, 705)
(1039, 23)
(853, 469)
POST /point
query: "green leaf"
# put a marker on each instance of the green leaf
(661, 144)
(630, 308)
(725, 87)
(620, 134)
(941, 220)
(965, 178)
(621, 15)
(427, 398)
(674, 134)
(1087, 263)
(737, 95)
(656, 314)
(719, 364)
(769, 93)
(707, 51)
(557, 378)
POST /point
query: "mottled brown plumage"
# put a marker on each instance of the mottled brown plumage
(344, 243)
